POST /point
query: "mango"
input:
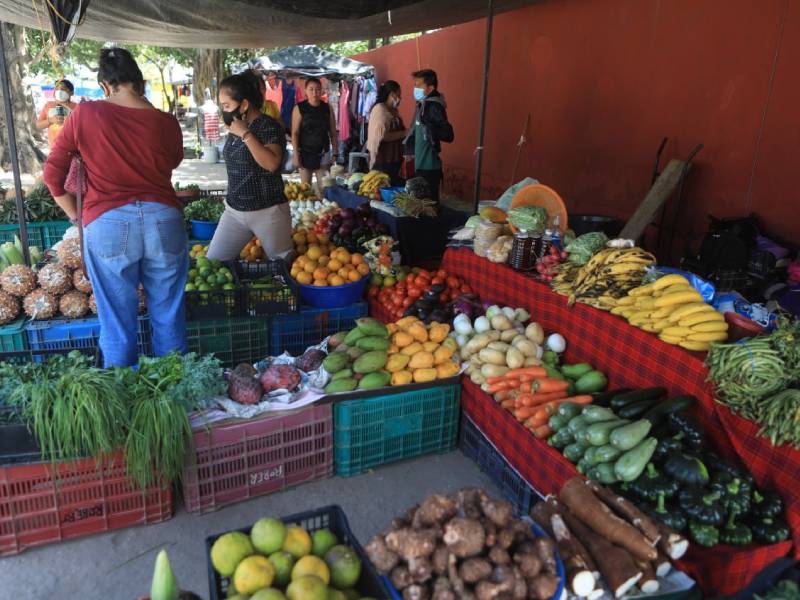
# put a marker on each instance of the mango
(421, 360)
(374, 380)
(402, 339)
(337, 339)
(424, 375)
(392, 328)
(447, 369)
(412, 349)
(370, 361)
(335, 362)
(407, 322)
(343, 374)
(341, 385)
(442, 355)
(354, 353)
(493, 214)
(397, 362)
(418, 332)
(402, 378)
(370, 326)
(430, 346)
(450, 343)
(354, 335)
(438, 332)
(373, 342)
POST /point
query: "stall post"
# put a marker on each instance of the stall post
(12, 146)
(487, 55)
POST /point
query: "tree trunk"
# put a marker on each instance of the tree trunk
(206, 66)
(18, 63)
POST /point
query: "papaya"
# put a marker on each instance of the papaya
(447, 369)
(412, 349)
(370, 326)
(374, 380)
(372, 342)
(424, 375)
(335, 362)
(353, 336)
(341, 385)
(421, 360)
(397, 362)
(370, 361)
(402, 378)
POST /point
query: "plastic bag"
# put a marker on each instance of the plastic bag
(504, 202)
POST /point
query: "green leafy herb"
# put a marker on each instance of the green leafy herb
(39, 206)
(204, 209)
(783, 590)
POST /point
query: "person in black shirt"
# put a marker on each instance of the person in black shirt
(314, 135)
(253, 152)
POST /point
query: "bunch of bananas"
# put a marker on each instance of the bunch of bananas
(608, 275)
(674, 310)
(372, 183)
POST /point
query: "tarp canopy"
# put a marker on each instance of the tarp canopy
(257, 23)
(310, 61)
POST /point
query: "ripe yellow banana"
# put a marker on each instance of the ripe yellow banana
(669, 280)
(690, 308)
(678, 287)
(702, 317)
(677, 331)
(642, 290)
(626, 301)
(649, 327)
(670, 339)
(678, 298)
(619, 309)
(663, 312)
(714, 336)
(639, 319)
(710, 326)
(661, 325)
(695, 345)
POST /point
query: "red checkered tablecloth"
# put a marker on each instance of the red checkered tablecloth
(630, 357)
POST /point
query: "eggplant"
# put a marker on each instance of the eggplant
(439, 315)
(431, 295)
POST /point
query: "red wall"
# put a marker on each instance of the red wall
(603, 82)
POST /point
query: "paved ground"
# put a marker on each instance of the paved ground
(118, 565)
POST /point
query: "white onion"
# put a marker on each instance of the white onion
(482, 324)
(556, 343)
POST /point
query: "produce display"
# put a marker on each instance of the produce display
(465, 545)
(206, 275)
(296, 190)
(673, 309)
(306, 213)
(372, 183)
(246, 385)
(756, 378)
(375, 355)
(600, 533)
(11, 254)
(428, 295)
(607, 276)
(39, 206)
(278, 560)
(530, 218)
(204, 209)
(324, 264)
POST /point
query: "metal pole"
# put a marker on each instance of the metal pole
(487, 55)
(12, 146)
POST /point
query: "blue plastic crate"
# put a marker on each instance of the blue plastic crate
(477, 447)
(59, 335)
(294, 333)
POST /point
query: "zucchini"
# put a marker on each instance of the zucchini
(557, 422)
(580, 436)
(603, 472)
(596, 414)
(597, 434)
(574, 452)
(588, 456)
(625, 438)
(653, 393)
(593, 381)
(577, 423)
(604, 398)
(661, 410)
(569, 410)
(607, 453)
(631, 464)
(576, 371)
(583, 466)
(552, 372)
(561, 438)
(636, 409)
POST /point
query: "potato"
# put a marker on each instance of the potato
(465, 354)
(531, 361)
(508, 335)
(478, 343)
(527, 347)
(499, 346)
(470, 369)
(501, 323)
(494, 336)
(492, 357)
(519, 337)
(514, 358)
(477, 378)
(535, 333)
(475, 360)
(493, 370)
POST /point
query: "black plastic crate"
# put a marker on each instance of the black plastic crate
(260, 302)
(477, 447)
(332, 517)
(211, 305)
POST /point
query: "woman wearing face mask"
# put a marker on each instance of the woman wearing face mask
(55, 112)
(313, 135)
(255, 203)
(133, 229)
(386, 132)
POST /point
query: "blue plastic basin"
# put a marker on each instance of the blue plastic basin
(203, 230)
(334, 296)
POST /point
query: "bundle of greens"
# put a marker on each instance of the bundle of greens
(530, 218)
(204, 209)
(583, 247)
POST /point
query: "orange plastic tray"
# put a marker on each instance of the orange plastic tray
(537, 194)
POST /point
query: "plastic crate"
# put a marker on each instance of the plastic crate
(58, 336)
(330, 517)
(375, 428)
(43, 234)
(233, 341)
(13, 337)
(47, 502)
(237, 461)
(214, 304)
(260, 302)
(295, 333)
(474, 444)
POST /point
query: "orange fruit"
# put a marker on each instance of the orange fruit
(354, 275)
(320, 283)
(311, 237)
(363, 269)
(301, 249)
(336, 280)
(310, 266)
(344, 256)
(314, 252)
(343, 273)
(321, 273)
(322, 238)
(356, 259)
(300, 260)
(299, 238)
(334, 264)
(323, 262)
(304, 278)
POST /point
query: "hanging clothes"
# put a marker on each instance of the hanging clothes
(344, 111)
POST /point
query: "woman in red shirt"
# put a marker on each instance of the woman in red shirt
(133, 222)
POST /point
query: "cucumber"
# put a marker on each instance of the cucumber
(604, 398)
(635, 410)
(588, 456)
(569, 410)
(580, 436)
(597, 434)
(574, 452)
(576, 371)
(625, 438)
(653, 393)
(607, 453)
(631, 464)
(552, 372)
(603, 472)
(561, 438)
(596, 414)
(557, 422)
(593, 381)
(577, 423)
(583, 466)
(663, 409)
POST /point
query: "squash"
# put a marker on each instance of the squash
(401, 339)
(447, 369)
(424, 375)
(441, 355)
(421, 360)
(402, 378)
(413, 349)
(397, 362)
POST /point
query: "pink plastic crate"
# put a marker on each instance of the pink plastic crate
(42, 503)
(235, 461)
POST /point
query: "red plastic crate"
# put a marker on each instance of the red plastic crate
(235, 461)
(42, 503)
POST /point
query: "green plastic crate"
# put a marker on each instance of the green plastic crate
(13, 337)
(42, 234)
(379, 429)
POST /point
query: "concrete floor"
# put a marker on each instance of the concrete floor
(118, 565)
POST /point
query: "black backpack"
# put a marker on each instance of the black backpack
(725, 248)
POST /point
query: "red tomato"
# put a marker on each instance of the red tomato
(398, 314)
(408, 302)
(437, 280)
(414, 292)
(373, 292)
(410, 279)
(424, 273)
(423, 283)
(441, 273)
(465, 289)
(444, 297)
(453, 282)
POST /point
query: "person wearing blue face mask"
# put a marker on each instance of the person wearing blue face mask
(429, 129)
(386, 133)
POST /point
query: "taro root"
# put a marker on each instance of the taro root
(412, 543)
(416, 592)
(440, 558)
(544, 586)
(499, 556)
(464, 537)
(473, 570)
(384, 559)
(499, 511)
(434, 510)
(400, 577)
(442, 590)
(468, 503)
(420, 569)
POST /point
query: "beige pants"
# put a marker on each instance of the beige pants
(272, 226)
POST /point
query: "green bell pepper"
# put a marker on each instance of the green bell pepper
(705, 535)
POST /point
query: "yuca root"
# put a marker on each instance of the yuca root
(672, 543)
(627, 510)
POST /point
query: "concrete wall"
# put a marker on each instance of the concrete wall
(603, 82)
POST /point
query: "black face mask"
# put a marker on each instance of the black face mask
(228, 116)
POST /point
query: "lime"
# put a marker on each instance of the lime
(216, 263)
(322, 540)
(190, 287)
(193, 273)
(283, 563)
(203, 262)
(205, 272)
(228, 286)
(204, 287)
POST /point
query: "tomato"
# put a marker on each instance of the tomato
(444, 297)
(453, 282)
(441, 273)
(436, 280)
(414, 292)
(465, 289)
(398, 314)
(373, 292)
(408, 302)
(423, 283)
(410, 279)
(424, 273)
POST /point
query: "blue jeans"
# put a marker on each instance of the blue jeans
(139, 242)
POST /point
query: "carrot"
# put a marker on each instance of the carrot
(501, 395)
(537, 399)
(498, 387)
(535, 371)
(524, 412)
(526, 378)
(543, 431)
(537, 420)
(525, 387)
(496, 379)
(545, 385)
(509, 404)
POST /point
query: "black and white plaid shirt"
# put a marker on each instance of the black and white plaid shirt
(251, 187)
